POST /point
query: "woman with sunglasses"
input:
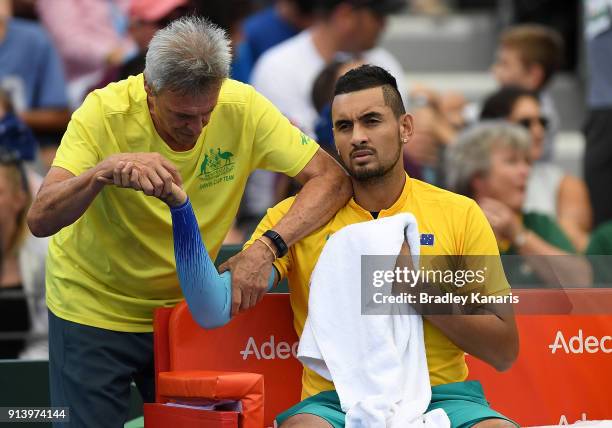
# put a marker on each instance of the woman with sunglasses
(550, 190)
(23, 313)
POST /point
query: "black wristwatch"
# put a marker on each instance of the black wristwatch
(278, 241)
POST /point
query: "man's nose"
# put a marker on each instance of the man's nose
(359, 135)
(197, 124)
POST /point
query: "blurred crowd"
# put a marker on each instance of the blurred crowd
(497, 150)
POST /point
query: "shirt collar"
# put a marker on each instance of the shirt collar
(395, 208)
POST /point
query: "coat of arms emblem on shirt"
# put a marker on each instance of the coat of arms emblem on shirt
(216, 167)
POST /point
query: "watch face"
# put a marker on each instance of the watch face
(278, 242)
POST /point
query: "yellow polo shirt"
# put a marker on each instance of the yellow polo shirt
(458, 227)
(115, 264)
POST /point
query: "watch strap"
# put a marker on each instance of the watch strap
(277, 241)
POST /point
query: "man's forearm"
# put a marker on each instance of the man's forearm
(488, 336)
(317, 202)
(47, 120)
(486, 331)
(60, 204)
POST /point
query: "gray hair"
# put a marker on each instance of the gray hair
(470, 155)
(190, 55)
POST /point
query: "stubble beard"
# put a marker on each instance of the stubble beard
(367, 175)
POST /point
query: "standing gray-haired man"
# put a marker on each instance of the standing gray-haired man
(111, 260)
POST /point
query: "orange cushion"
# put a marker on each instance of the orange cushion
(161, 416)
(193, 386)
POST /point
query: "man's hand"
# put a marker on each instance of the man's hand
(504, 222)
(175, 198)
(404, 262)
(250, 274)
(149, 172)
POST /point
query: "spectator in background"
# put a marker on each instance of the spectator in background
(549, 190)
(490, 163)
(528, 56)
(90, 35)
(17, 138)
(598, 127)
(285, 74)
(322, 97)
(22, 272)
(146, 17)
(31, 72)
(266, 29)
(25, 9)
(227, 14)
(438, 118)
(559, 15)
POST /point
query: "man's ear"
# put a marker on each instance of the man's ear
(406, 127)
(151, 100)
(148, 89)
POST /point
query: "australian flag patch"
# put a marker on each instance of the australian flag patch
(427, 239)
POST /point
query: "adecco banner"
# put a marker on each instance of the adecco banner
(563, 373)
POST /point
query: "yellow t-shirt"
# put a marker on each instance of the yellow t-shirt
(115, 264)
(458, 227)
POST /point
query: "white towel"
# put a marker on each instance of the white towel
(377, 362)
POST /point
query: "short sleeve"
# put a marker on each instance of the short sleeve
(272, 217)
(481, 253)
(79, 150)
(278, 145)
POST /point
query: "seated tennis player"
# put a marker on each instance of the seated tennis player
(370, 129)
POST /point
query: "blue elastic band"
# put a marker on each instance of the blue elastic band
(208, 293)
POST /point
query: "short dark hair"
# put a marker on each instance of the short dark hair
(499, 104)
(371, 76)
